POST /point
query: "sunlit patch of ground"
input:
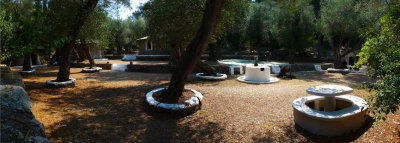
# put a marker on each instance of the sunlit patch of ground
(110, 107)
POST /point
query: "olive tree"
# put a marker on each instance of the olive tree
(259, 28)
(22, 27)
(67, 18)
(210, 17)
(381, 51)
(174, 23)
(94, 30)
(343, 21)
(294, 26)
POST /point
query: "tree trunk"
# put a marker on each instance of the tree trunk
(27, 63)
(293, 44)
(128, 48)
(337, 63)
(194, 49)
(212, 52)
(64, 71)
(319, 46)
(56, 56)
(338, 60)
(207, 69)
(291, 55)
(88, 54)
(204, 67)
(119, 49)
(218, 51)
(78, 53)
(172, 58)
(339, 55)
(175, 57)
(177, 53)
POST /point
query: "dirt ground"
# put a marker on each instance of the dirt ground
(128, 62)
(110, 107)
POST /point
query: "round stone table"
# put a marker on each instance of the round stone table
(329, 92)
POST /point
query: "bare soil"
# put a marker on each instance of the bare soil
(110, 106)
(160, 97)
(128, 62)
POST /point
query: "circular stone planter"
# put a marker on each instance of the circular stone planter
(193, 103)
(54, 84)
(271, 80)
(92, 70)
(218, 77)
(31, 72)
(334, 123)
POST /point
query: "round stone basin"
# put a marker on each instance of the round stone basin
(91, 70)
(348, 116)
(257, 73)
(31, 72)
(55, 84)
(319, 104)
(193, 103)
(219, 76)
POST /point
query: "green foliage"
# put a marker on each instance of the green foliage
(259, 24)
(27, 24)
(295, 24)
(60, 43)
(171, 21)
(176, 22)
(382, 52)
(336, 23)
(22, 28)
(343, 21)
(95, 27)
(7, 32)
(123, 33)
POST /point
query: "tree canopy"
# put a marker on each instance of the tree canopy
(176, 22)
(343, 22)
(21, 28)
(381, 51)
(294, 26)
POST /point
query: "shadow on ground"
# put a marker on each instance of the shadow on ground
(295, 133)
(119, 115)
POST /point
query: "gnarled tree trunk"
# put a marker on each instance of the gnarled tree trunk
(64, 71)
(177, 53)
(338, 59)
(207, 69)
(78, 55)
(88, 54)
(339, 55)
(194, 49)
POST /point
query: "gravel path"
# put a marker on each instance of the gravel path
(110, 107)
